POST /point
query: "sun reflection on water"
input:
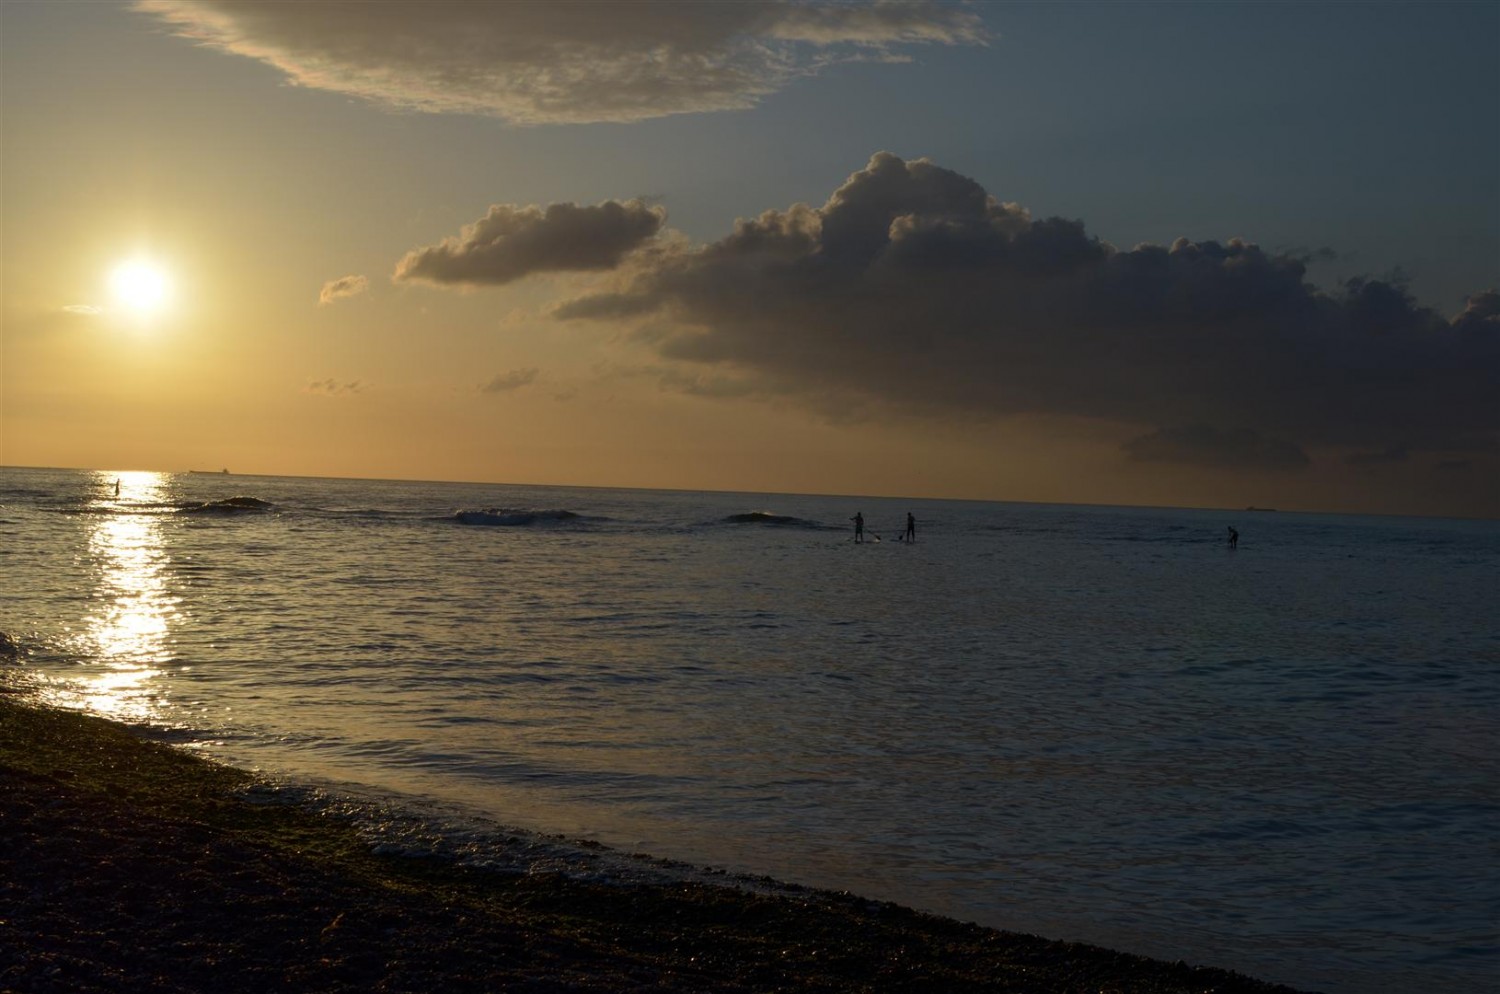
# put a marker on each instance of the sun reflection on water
(133, 607)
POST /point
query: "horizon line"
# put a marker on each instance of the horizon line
(1248, 509)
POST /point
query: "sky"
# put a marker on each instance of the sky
(1221, 254)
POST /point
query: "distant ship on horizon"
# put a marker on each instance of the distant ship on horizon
(220, 472)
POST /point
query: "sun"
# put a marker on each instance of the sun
(141, 287)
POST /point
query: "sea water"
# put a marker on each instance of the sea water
(1099, 724)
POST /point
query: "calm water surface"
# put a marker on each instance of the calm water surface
(1097, 724)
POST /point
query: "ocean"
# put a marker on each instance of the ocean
(1099, 724)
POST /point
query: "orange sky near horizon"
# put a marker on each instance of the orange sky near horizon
(513, 299)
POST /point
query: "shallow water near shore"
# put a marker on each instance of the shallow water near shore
(1097, 724)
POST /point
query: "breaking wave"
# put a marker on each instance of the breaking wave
(767, 518)
(514, 517)
(229, 505)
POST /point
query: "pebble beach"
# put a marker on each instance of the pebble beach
(127, 865)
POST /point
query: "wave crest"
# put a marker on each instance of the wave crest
(229, 505)
(514, 517)
(767, 518)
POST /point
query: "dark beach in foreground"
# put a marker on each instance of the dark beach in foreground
(126, 865)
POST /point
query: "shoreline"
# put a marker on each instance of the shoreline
(128, 865)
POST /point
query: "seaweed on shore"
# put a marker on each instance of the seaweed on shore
(126, 865)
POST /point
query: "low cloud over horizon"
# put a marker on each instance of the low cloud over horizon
(563, 62)
(1205, 445)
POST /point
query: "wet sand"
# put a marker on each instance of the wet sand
(126, 865)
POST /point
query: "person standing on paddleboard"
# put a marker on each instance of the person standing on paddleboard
(859, 526)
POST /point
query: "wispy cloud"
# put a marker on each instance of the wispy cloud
(510, 381)
(511, 242)
(344, 286)
(83, 310)
(912, 289)
(335, 388)
(560, 61)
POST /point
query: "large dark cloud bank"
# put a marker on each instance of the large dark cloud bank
(913, 291)
(913, 288)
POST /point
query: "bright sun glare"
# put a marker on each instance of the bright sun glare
(140, 287)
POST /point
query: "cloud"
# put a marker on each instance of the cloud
(1390, 454)
(914, 289)
(563, 62)
(676, 380)
(513, 380)
(344, 286)
(511, 242)
(1202, 445)
(334, 388)
(83, 310)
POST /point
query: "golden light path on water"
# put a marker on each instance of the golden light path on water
(133, 609)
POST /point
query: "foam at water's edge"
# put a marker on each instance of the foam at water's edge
(402, 825)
